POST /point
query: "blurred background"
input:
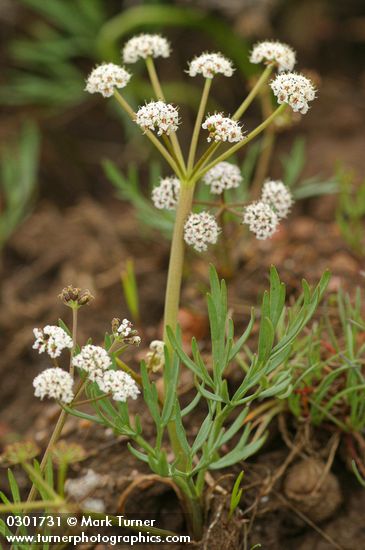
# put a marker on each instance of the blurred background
(71, 164)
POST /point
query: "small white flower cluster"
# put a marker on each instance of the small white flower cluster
(94, 360)
(272, 51)
(125, 329)
(145, 45)
(155, 358)
(222, 129)
(166, 194)
(210, 64)
(261, 219)
(278, 196)
(104, 78)
(54, 383)
(52, 340)
(294, 89)
(120, 384)
(200, 230)
(159, 116)
(223, 176)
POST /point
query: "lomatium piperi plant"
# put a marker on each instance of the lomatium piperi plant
(160, 122)
(97, 376)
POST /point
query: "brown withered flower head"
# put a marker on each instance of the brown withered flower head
(75, 297)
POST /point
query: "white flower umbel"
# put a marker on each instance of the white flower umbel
(271, 51)
(94, 360)
(105, 78)
(52, 340)
(200, 230)
(54, 383)
(158, 116)
(261, 219)
(120, 384)
(145, 45)
(294, 89)
(209, 64)
(155, 358)
(223, 176)
(222, 129)
(166, 194)
(278, 196)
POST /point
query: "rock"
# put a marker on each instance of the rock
(303, 487)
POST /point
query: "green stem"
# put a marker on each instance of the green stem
(166, 155)
(74, 338)
(161, 96)
(54, 438)
(61, 478)
(198, 122)
(242, 143)
(174, 277)
(253, 93)
(32, 472)
(242, 108)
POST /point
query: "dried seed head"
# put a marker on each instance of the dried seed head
(64, 452)
(158, 116)
(223, 176)
(52, 340)
(145, 45)
(261, 219)
(210, 64)
(120, 384)
(54, 383)
(19, 452)
(294, 89)
(75, 297)
(278, 196)
(222, 129)
(271, 51)
(200, 230)
(105, 78)
(166, 195)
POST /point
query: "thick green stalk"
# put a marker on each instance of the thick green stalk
(240, 144)
(123, 103)
(161, 96)
(198, 122)
(174, 277)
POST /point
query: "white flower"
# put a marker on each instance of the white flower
(120, 384)
(166, 194)
(156, 356)
(104, 78)
(294, 89)
(222, 128)
(159, 116)
(94, 360)
(52, 340)
(210, 64)
(54, 383)
(125, 329)
(278, 196)
(223, 176)
(201, 230)
(145, 45)
(261, 219)
(272, 51)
